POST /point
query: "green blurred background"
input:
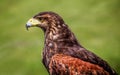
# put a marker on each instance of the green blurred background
(96, 25)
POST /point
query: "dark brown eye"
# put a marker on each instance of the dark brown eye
(44, 18)
(40, 18)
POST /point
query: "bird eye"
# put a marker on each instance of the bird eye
(40, 18)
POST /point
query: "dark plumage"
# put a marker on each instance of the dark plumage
(62, 54)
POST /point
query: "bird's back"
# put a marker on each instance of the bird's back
(89, 57)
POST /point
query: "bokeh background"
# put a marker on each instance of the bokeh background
(96, 24)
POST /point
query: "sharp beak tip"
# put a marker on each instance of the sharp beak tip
(27, 27)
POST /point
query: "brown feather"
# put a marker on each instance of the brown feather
(63, 55)
(66, 65)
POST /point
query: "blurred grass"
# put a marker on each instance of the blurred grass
(95, 23)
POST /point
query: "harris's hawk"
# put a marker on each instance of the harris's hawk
(62, 53)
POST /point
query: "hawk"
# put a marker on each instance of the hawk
(62, 53)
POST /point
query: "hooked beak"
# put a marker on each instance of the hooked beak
(32, 23)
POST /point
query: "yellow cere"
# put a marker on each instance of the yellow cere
(34, 21)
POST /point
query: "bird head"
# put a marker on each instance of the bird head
(45, 20)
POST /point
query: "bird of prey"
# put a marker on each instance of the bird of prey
(62, 53)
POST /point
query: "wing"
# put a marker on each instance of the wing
(61, 64)
(85, 55)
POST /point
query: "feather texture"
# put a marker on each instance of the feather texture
(62, 53)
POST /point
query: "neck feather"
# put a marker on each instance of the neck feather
(57, 40)
(61, 35)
